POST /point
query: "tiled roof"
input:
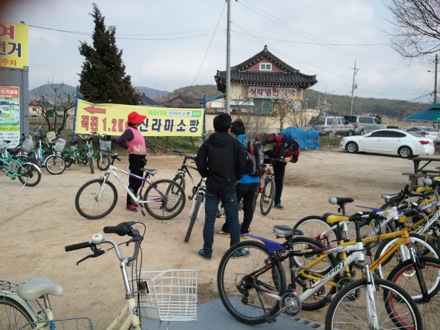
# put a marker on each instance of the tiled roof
(287, 76)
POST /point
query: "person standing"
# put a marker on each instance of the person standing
(284, 149)
(134, 142)
(246, 187)
(221, 159)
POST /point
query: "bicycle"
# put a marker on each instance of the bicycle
(27, 173)
(48, 157)
(147, 294)
(252, 284)
(163, 199)
(266, 189)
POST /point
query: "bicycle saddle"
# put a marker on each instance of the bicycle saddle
(38, 286)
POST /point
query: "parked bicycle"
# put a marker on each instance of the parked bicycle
(47, 154)
(266, 190)
(147, 294)
(163, 199)
(252, 284)
(13, 165)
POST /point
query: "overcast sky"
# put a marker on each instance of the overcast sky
(169, 44)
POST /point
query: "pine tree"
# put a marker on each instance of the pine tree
(103, 78)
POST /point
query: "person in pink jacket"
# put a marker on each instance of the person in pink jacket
(134, 142)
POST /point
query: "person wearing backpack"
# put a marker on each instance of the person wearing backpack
(220, 159)
(247, 186)
(284, 149)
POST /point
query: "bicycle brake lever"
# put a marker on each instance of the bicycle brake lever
(96, 253)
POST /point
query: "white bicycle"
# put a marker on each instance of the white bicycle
(164, 295)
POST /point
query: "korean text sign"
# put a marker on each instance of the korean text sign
(111, 119)
(13, 45)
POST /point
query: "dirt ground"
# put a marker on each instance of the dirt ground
(37, 222)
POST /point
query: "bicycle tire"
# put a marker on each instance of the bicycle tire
(91, 165)
(55, 165)
(313, 226)
(199, 202)
(180, 179)
(103, 162)
(158, 206)
(86, 203)
(323, 296)
(267, 195)
(404, 275)
(234, 278)
(423, 247)
(29, 174)
(13, 315)
(67, 159)
(348, 307)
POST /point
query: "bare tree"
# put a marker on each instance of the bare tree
(416, 27)
(54, 106)
(284, 108)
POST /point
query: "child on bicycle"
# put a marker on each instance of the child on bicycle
(284, 149)
(134, 142)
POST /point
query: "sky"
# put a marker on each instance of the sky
(169, 44)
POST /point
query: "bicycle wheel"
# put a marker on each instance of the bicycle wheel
(164, 206)
(67, 159)
(29, 174)
(308, 275)
(267, 195)
(424, 249)
(244, 283)
(91, 165)
(180, 179)
(404, 275)
(317, 228)
(55, 164)
(103, 161)
(393, 308)
(195, 213)
(13, 315)
(94, 200)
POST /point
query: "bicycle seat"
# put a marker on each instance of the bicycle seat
(38, 286)
(286, 230)
(73, 142)
(150, 171)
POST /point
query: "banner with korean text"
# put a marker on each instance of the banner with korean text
(13, 45)
(111, 119)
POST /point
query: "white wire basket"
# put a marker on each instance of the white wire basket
(50, 136)
(105, 145)
(169, 295)
(27, 145)
(59, 145)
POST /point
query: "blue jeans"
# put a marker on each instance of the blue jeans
(230, 205)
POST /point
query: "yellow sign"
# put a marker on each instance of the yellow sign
(111, 119)
(13, 45)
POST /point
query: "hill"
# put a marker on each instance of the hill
(334, 104)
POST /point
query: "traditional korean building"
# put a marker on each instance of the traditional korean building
(261, 79)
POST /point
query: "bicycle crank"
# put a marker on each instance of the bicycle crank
(290, 304)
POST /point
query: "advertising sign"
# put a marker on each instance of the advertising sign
(13, 45)
(274, 93)
(111, 119)
(9, 114)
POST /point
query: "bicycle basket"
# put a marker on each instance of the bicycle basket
(27, 145)
(59, 145)
(105, 145)
(51, 136)
(169, 295)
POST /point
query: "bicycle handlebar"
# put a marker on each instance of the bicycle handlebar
(78, 246)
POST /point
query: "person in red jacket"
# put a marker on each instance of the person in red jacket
(134, 142)
(284, 149)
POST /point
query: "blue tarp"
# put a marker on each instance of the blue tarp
(306, 139)
(432, 114)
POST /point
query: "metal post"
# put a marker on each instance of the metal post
(228, 61)
(353, 87)
(435, 79)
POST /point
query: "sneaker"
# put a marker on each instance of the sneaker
(203, 254)
(240, 253)
(243, 236)
(221, 232)
(278, 206)
(132, 208)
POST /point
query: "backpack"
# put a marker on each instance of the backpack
(254, 157)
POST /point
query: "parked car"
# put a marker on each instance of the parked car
(364, 124)
(425, 131)
(393, 142)
(333, 124)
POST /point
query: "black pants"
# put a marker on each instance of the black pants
(279, 169)
(136, 164)
(247, 192)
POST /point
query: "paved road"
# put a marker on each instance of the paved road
(213, 316)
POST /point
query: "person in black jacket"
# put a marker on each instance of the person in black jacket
(221, 159)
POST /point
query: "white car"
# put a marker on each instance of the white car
(393, 142)
(425, 131)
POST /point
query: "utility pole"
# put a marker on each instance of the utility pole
(228, 60)
(435, 79)
(353, 87)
